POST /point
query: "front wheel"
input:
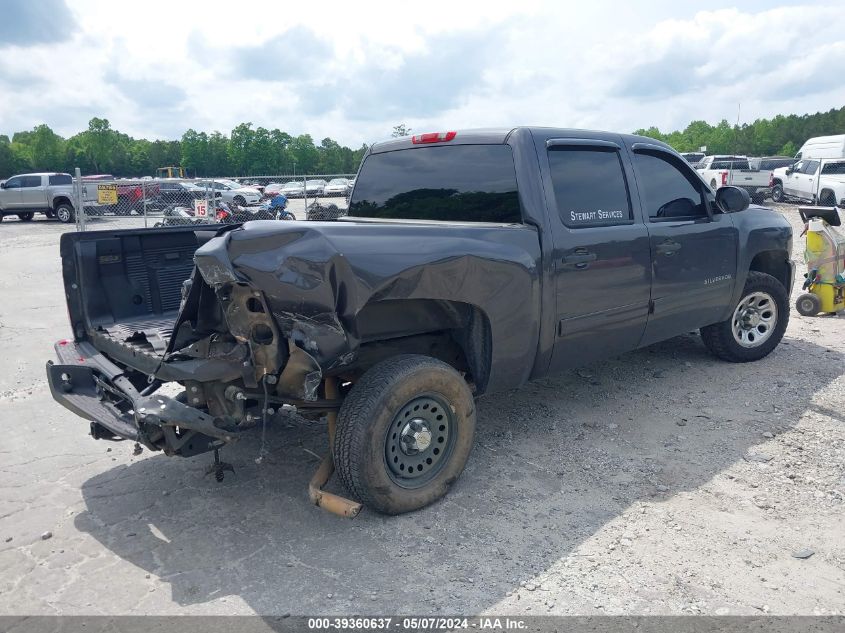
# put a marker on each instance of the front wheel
(756, 325)
(239, 200)
(777, 193)
(26, 216)
(404, 433)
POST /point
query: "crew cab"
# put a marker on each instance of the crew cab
(469, 262)
(49, 193)
(813, 180)
(722, 171)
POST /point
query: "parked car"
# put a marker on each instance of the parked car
(336, 187)
(49, 193)
(544, 249)
(823, 147)
(315, 187)
(179, 193)
(721, 171)
(293, 189)
(770, 163)
(693, 158)
(272, 189)
(232, 191)
(811, 180)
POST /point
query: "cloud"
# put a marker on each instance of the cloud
(294, 54)
(32, 22)
(391, 84)
(732, 49)
(148, 93)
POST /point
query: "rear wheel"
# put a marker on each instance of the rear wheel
(404, 433)
(808, 304)
(756, 325)
(64, 212)
(239, 200)
(777, 192)
(827, 199)
(26, 216)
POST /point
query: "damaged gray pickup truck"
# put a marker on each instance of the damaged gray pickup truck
(469, 262)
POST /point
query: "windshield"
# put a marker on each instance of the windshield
(231, 184)
(315, 182)
(337, 181)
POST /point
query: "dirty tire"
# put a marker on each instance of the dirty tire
(26, 216)
(808, 304)
(64, 212)
(777, 192)
(366, 419)
(719, 338)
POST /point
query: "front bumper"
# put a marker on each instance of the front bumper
(87, 383)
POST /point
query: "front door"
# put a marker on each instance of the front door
(10, 195)
(693, 245)
(601, 251)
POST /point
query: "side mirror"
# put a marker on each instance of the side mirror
(3, 185)
(732, 199)
(789, 171)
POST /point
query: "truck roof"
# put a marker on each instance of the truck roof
(41, 173)
(495, 136)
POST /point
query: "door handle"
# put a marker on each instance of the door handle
(580, 258)
(668, 248)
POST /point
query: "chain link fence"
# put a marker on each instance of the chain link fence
(102, 202)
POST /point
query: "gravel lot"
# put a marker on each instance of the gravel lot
(661, 482)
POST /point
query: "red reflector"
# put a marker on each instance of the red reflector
(724, 177)
(64, 342)
(433, 137)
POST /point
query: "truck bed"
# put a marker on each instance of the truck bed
(125, 287)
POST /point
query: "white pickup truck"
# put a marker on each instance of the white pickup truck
(49, 193)
(814, 180)
(721, 171)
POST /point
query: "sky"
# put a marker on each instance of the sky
(351, 71)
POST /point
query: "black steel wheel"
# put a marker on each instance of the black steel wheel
(404, 433)
(419, 441)
(26, 216)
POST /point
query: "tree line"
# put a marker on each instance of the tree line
(247, 151)
(779, 136)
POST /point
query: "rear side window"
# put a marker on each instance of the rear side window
(61, 179)
(834, 168)
(459, 183)
(670, 193)
(589, 187)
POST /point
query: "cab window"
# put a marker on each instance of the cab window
(13, 183)
(589, 186)
(669, 192)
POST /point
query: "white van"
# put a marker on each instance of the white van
(823, 147)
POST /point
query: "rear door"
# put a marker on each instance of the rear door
(693, 245)
(33, 192)
(601, 250)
